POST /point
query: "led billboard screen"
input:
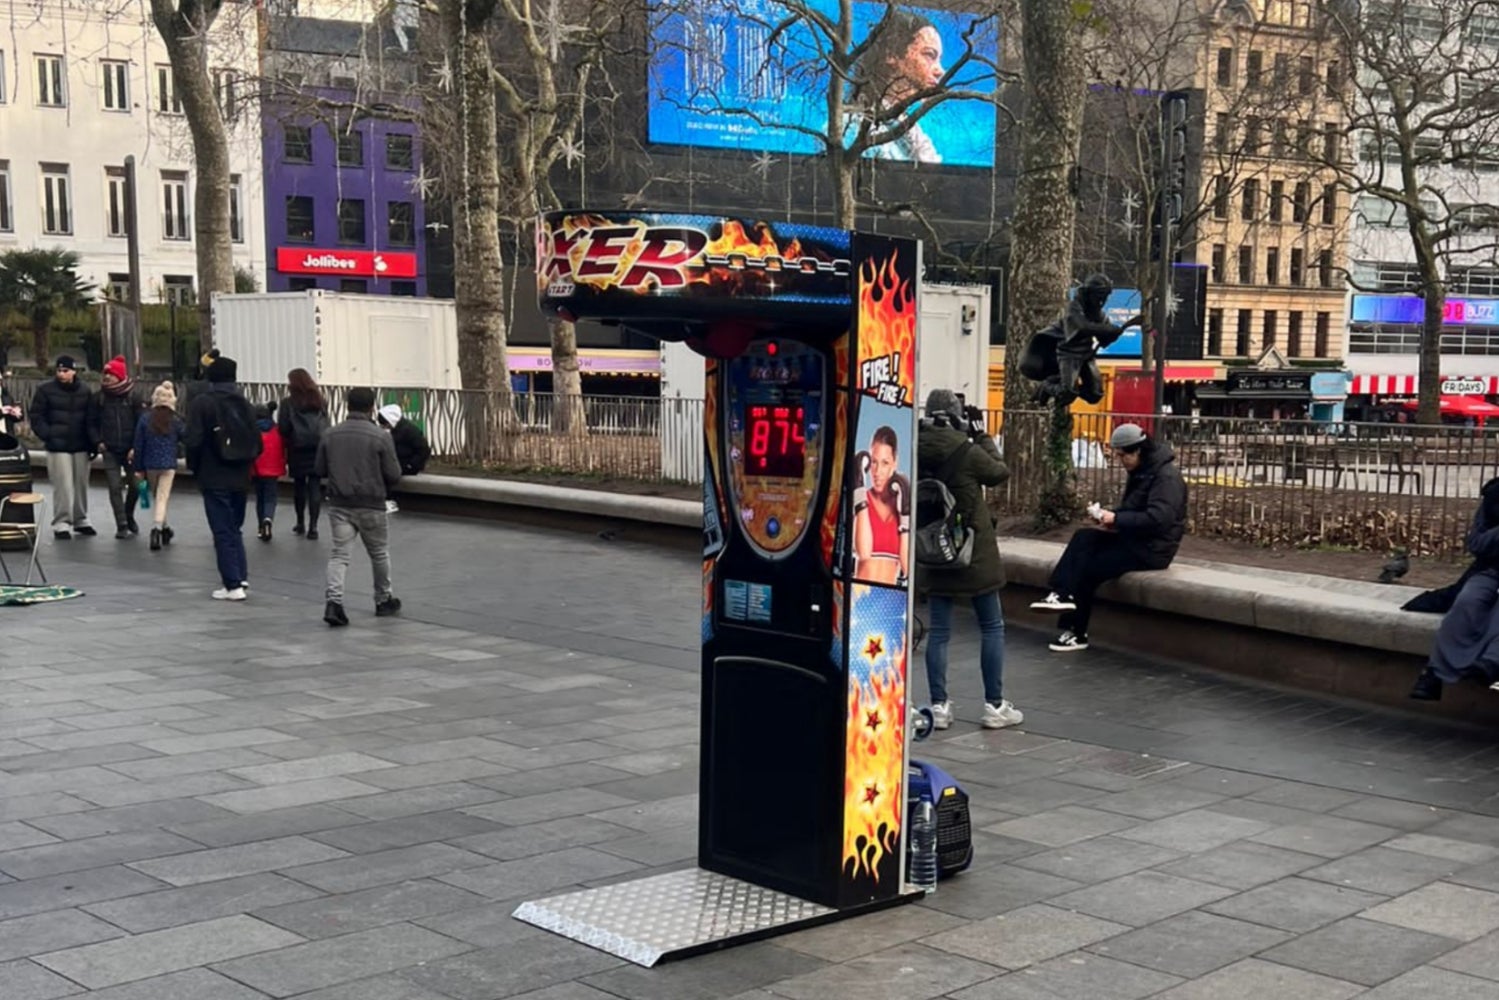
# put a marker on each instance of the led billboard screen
(753, 75)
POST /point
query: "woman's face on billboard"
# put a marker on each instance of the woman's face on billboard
(920, 66)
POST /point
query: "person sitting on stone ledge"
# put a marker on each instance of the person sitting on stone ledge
(1467, 642)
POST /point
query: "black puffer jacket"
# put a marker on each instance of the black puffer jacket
(1153, 514)
(59, 416)
(112, 419)
(981, 467)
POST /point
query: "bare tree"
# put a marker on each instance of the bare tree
(185, 27)
(1423, 116)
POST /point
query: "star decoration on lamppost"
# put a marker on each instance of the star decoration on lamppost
(422, 183)
(445, 76)
(571, 150)
(762, 163)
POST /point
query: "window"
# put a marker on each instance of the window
(236, 217)
(1251, 200)
(350, 149)
(1225, 67)
(1215, 331)
(399, 154)
(1334, 79)
(1298, 266)
(50, 92)
(1282, 72)
(1271, 322)
(351, 221)
(7, 219)
(174, 220)
(299, 227)
(1306, 79)
(1254, 134)
(1241, 335)
(301, 284)
(1246, 265)
(168, 101)
(116, 91)
(400, 224)
(1272, 266)
(1223, 132)
(1279, 138)
(1254, 65)
(296, 144)
(57, 200)
(118, 288)
(1324, 269)
(1293, 333)
(1331, 144)
(117, 219)
(1220, 255)
(403, 288)
(1277, 200)
(1220, 197)
(1324, 328)
(356, 285)
(1299, 201)
(1329, 204)
(178, 289)
(224, 93)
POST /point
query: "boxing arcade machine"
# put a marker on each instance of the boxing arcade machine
(809, 337)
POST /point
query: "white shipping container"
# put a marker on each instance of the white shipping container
(342, 339)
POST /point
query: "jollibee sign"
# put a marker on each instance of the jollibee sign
(345, 263)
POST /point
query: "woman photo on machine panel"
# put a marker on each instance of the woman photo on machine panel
(881, 513)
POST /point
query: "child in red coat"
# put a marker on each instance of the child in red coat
(269, 467)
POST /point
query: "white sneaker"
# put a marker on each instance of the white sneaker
(1001, 715)
(391, 507)
(1054, 603)
(942, 715)
(225, 594)
(1069, 642)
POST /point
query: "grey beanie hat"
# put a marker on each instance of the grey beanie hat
(944, 401)
(1127, 436)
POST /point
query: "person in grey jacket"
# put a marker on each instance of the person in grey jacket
(357, 464)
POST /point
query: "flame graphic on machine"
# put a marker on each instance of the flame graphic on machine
(887, 326)
(873, 787)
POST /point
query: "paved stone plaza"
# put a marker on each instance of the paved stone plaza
(202, 801)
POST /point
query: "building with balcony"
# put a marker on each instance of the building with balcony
(81, 87)
(342, 155)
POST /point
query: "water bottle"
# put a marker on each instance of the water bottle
(143, 494)
(923, 873)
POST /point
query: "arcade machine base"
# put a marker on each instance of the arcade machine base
(680, 914)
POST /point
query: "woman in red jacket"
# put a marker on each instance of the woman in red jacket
(269, 467)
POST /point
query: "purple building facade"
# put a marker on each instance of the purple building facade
(343, 198)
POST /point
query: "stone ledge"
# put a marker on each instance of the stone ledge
(654, 510)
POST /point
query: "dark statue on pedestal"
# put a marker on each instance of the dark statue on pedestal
(1063, 357)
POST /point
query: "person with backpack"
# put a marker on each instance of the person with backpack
(222, 445)
(957, 551)
(302, 419)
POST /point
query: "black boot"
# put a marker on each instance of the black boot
(155, 539)
(166, 534)
(1428, 687)
(265, 530)
(121, 531)
(130, 524)
(333, 614)
(312, 532)
(387, 607)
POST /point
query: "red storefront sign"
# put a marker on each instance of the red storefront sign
(346, 263)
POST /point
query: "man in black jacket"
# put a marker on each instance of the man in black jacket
(113, 412)
(222, 443)
(59, 416)
(1143, 532)
(357, 463)
(412, 450)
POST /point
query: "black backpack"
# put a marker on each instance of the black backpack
(236, 438)
(307, 427)
(942, 539)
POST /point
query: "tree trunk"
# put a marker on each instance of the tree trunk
(568, 416)
(186, 38)
(40, 331)
(1429, 379)
(845, 174)
(478, 278)
(1045, 219)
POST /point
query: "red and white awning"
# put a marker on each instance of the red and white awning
(1405, 385)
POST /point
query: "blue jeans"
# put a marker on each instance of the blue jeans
(226, 519)
(265, 498)
(991, 645)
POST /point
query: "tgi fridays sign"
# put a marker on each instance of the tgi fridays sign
(1464, 387)
(345, 263)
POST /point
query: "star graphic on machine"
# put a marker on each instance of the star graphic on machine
(762, 163)
(871, 792)
(874, 648)
(872, 719)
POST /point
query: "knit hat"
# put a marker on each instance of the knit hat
(391, 414)
(164, 395)
(116, 366)
(1127, 436)
(222, 370)
(65, 363)
(940, 401)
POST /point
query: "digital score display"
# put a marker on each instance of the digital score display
(775, 441)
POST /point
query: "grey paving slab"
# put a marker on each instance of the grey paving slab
(1192, 944)
(998, 889)
(1477, 958)
(1195, 831)
(23, 937)
(1454, 911)
(846, 939)
(1141, 897)
(513, 968)
(284, 796)
(1384, 870)
(706, 978)
(93, 852)
(540, 838)
(1076, 976)
(1296, 904)
(1428, 983)
(318, 964)
(904, 972)
(25, 980)
(1256, 980)
(56, 892)
(1062, 826)
(244, 859)
(17, 835)
(1361, 951)
(369, 908)
(124, 819)
(382, 867)
(487, 926)
(540, 873)
(386, 987)
(432, 798)
(191, 984)
(243, 829)
(1242, 865)
(150, 911)
(1025, 936)
(174, 949)
(1329, 836)
(407, 831)
(1446, 848)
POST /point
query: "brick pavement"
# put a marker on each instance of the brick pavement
(211, 802)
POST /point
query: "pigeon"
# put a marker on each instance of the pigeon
(1398, 565)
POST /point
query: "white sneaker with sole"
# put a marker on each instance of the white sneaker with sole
(1069, 642)
(391, 507)
(1001, 715)
(225, 594)
(942, 715)
(1054, 603)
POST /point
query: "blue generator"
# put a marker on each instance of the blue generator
(954, 831)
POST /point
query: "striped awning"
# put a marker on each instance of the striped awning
(1405, 385)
